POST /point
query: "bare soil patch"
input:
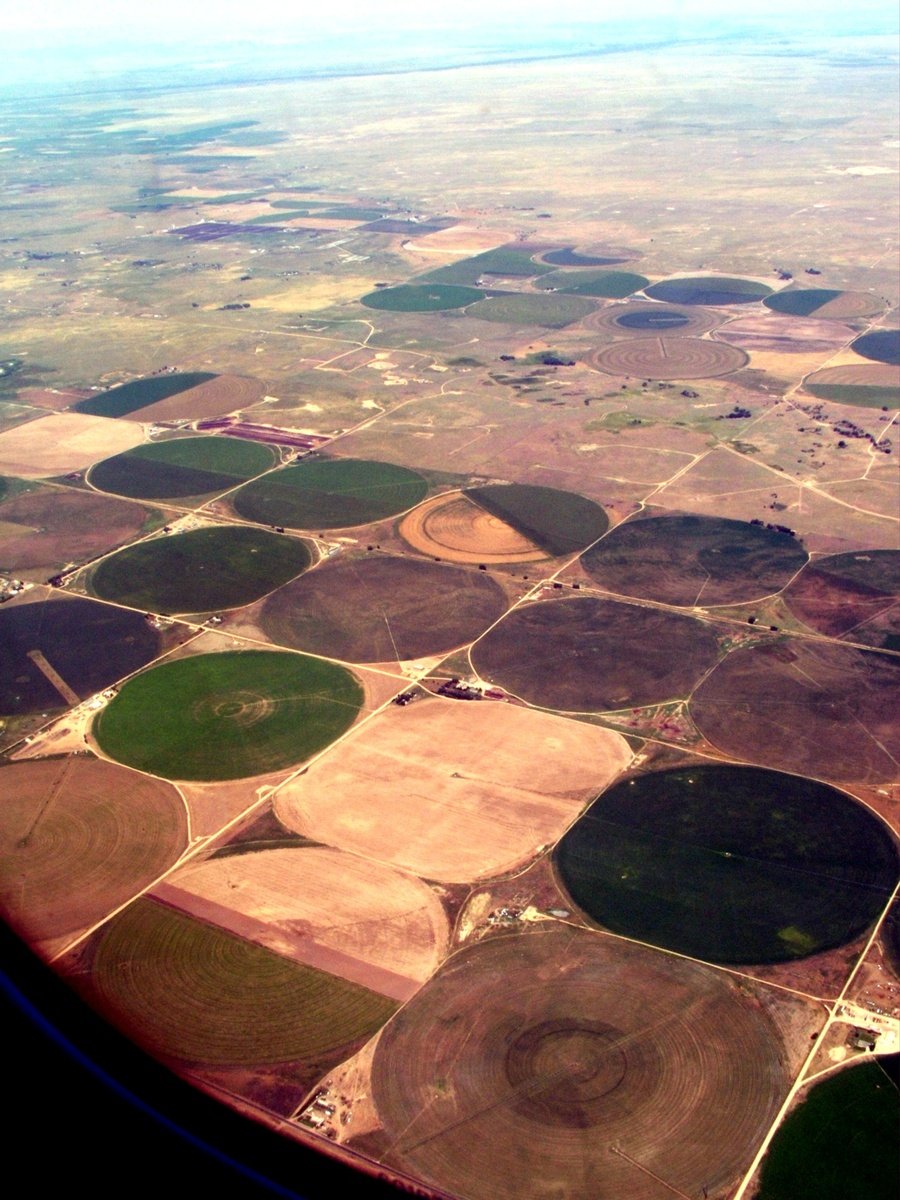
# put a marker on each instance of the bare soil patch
(560, 1062)
(382, 609)
(876, 375)
(223, 394)
(589, 655)
(78, 837)
(668, 358)
(813, 708)
(453, 790)
(53, 398)
(453, 527)
(774, 332)
(51, 527)
(63, 442)
(361, 920)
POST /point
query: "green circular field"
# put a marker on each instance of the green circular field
(881, 345)
(223, 566)
(420, 297)
(196, 466)
(334, 493)
(708, 289)
(552, 310)
(229, 715)
(730, 864)
(612, 285)
(184, 989)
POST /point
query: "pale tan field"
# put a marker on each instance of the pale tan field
(64, 442)
(453, 790)
(358, 919)
(452, 527)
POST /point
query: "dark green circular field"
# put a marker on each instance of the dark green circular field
(611, 285)
(801, 302)
(708, 289)
(72, 644)
(196, 466)
(840, 1143)
(222, 566)
(690, 560)
(336, 493)
(140, 393)
(420, 297)
(882, 345)
(229, 715)
(730, 864)
(382, 609)
(664, 318)
(184, 989)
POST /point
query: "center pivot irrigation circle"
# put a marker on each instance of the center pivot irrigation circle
(669, 358)
(535, 1057)
(563, 1070)
(228, 715)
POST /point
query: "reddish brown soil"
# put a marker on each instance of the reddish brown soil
(52, 527)
(224, 394)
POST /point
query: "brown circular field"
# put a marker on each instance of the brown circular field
(185, 989)
(453, 527)
(49, 528)
(689, 560)
(638, 320)
(589, 655)
(382, 609)
(78, 837)
(668, 358)
(816, 709)
(871, 385)
(358, 919)
(853, 595)
(849, 305)
(562, 1063)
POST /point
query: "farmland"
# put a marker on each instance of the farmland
(449, 599)
(189, 719)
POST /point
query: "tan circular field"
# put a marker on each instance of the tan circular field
(453, 790)
(668, 358)
(875, 375)
(691, 322)
(78, 837)
(63, 442)
(848, 305)
(452, 527)
(556, 1062)
(360, 920)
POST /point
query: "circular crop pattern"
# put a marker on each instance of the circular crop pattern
(453, 527)
(568, 256)
(58, 652)
(588, 655)
(222, 566)
(641, 318)
(612, 285)
(229, 715)
(823, 303)
(420, 297)
(809, 707)
(882, 345)
(196, 466)
(691, 560)
(48, 528)
(853, 595)
(334, 493)
(551, 309)
(668, 358)
(730, 864)
(78, 837)
(186, 990)
(382, 609)
(868, 385)
(558, 1055)
(709, 289)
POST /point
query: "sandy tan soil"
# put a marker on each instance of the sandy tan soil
(361, 920)
(224, 394)
(454, 790)
(64, 442)
(457, 240)
(453, 527)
